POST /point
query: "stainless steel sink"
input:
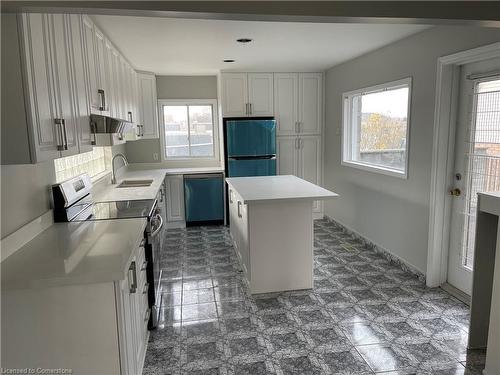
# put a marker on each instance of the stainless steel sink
(135, 183)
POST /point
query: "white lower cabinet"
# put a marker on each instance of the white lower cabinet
(238, 216)
(175, 201)
(301, 156)
(91, 328)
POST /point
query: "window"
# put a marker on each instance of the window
(189, 129)
(376, 124)
(96, 163)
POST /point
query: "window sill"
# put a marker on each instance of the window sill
(376, 169)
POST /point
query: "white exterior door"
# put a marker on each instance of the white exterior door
(234, 94)
(287, 155)
(286, 99)
(477, 164)
(310, 103)
(260, 94)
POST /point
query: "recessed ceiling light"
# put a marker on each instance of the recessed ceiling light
(229, 60)
(244, 40)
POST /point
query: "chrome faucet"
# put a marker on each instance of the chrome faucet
(113, 172)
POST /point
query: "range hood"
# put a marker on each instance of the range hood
(109, 125)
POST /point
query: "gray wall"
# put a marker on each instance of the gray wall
(186, 87)
(25, 193)
(172, 87)
(392, 212)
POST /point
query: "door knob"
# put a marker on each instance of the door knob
(455, 192)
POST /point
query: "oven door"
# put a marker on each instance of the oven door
(154, 270)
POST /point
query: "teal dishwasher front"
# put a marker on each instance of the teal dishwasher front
(204, 199)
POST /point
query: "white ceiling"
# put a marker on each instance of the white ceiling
(171, 46)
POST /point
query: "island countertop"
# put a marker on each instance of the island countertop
(277, 188)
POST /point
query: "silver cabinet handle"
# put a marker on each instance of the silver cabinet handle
(250, 107)
(65, 134)
(129, 114)
(146, 288)
(230, 196)
(61, 124)
(157, 230)
(246, 108)
(301, 143)
(102, 97)
(142, 130)
(146, 315)
(132, 280)
(144, 265)
(239, 209)
(297, 144)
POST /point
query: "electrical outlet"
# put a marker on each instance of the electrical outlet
(155, 156)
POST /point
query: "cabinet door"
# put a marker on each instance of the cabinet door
(286, 98)
(110, 79)
(65, 94)
(147, 105)
(175, 201)
(81, 98)
(41, 87)
(287, 154)
(310, 103)
(260, 94)
(102, 68)
(234, 95)
(126, 316)
(90, 58)
(117, 84)
(310, 162)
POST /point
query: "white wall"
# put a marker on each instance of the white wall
(390, 211)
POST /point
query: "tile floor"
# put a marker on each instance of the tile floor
(364, 315)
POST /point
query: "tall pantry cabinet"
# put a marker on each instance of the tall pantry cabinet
(296, 102)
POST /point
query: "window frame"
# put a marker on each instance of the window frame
(189, 102)
(347, 128)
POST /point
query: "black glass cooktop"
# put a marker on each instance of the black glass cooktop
(117, 210)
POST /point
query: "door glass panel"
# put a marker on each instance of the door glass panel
(483, 159)
(175, 119)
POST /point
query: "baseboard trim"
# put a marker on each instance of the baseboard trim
(25, 234)
(391, 257)
(457, 293)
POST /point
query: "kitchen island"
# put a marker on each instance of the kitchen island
(271, 219)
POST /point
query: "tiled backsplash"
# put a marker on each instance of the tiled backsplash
(94, 163)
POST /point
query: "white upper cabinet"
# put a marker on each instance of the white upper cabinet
(91, 62)
(81, 97)
(147, 105)
(47, 135)
(310, 103)
(234, 95)
(286, 103)
(260, 94)
(247, 94)
(103, 73)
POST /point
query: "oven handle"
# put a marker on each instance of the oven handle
(157, 230)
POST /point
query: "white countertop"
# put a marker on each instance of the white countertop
(74, 253)
(273, 188)
(110, 192)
